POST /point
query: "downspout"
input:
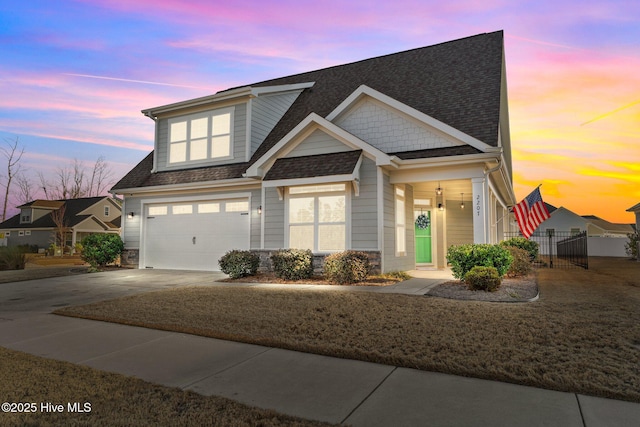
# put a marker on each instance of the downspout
(487, 209)
(155, 141)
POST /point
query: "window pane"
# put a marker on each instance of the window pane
(331, 237)
(182, 209)
(199, 128)
(332, 208)
(178, 132)
(178, 152)
(301, 210)
(316, 188)
(198, 149)
(301, 237)
(401, 245)
(157, 210)
(221, 124)
(209, 207)
(220, 146)
(400, 214)
(237, 207)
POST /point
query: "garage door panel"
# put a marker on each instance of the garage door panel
(194, 240)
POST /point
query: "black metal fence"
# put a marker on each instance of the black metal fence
(559, 249)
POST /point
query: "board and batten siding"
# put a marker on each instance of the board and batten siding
(364, 210)
(239, 142)
(266, 111)
(319, 142)
(459, 223)
(273, 211)
(131, 226)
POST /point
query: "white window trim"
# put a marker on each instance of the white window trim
(195, 116)
(400, 221)
(347, 221)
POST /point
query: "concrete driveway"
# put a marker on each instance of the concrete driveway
(26, 298)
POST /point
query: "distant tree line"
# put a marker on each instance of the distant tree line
(69, 181)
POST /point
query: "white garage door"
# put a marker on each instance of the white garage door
(194, 235)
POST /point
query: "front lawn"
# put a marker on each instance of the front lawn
(583, 335)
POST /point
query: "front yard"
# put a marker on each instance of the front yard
(583, 335)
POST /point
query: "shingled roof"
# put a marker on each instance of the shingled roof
(312, 166)
(457, 82)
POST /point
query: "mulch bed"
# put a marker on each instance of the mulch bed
(520, 289)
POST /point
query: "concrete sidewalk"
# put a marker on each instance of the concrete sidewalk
(306, 385)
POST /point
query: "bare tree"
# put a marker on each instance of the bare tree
(13, 153)
(72, 181)
(61, 228)
(25, 188)
(100, 177)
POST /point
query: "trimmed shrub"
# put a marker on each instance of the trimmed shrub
(101, 249)
(238, 263)
(293, 264)
(521, 265)
(528, 245)
(482, 279)
(344, 268)
(12, 258)
(464, 257)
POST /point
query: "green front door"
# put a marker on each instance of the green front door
(423, 237)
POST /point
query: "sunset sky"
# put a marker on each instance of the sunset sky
(74, 75)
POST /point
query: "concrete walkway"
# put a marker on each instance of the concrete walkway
(306, 385)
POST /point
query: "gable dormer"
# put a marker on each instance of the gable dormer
(224, 128)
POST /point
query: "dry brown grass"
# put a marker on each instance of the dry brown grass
(116, 399)
(583, 335)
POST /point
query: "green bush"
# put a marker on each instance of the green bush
(101, 249)
(631, 247)
(238, 264)
(12, 258)
(344, 268)
(464, 257)
(528, 245)
(521, 265)
(482, 279)
(293, 264)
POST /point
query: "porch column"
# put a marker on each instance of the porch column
(479, 210)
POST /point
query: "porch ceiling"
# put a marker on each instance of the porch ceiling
(450, 189)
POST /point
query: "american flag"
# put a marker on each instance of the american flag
(530, 213)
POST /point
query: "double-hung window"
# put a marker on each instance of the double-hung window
(317, 217)
(201, 136)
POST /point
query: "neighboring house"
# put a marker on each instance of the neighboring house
(636, 209)
(562, 221)
(35, 224)
(345, 157)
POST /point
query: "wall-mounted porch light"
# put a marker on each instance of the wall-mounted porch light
(130, 215)
(260, 210)
(440, 206)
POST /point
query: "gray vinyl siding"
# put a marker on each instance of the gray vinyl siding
(131, 226)
(459, 223)
(273, 220)
(364, 210)
(239, 142)
(391, 261)
(318, 142)
(41, 238)
(266, 111)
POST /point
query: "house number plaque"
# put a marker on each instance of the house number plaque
(478, 205)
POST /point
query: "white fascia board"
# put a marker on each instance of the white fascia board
(217, 97)
(265, 90)
(364, 90)
(444, 161)
(310, 181)
(204, 185)
(314, 121)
